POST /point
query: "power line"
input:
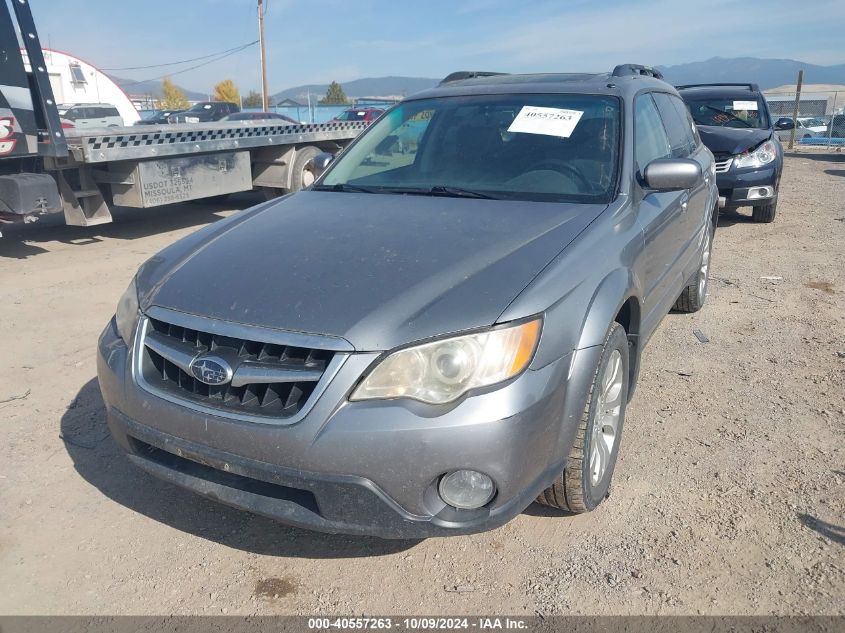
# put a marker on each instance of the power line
(185, 61)
(184, 70)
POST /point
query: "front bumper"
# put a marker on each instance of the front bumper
(358, 468)
(741, 188)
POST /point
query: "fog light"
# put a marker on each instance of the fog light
(466, 489)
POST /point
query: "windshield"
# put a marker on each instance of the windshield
(747, 112)
(351, 115)
(199, 107)
(545, 147)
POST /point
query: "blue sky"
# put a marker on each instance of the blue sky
(316, 41)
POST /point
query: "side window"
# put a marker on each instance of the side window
(677, 128)
(111, 112)
(650, 140)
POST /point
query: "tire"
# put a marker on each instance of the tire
(302, 176)
(693, 296)
(578, 489)
(764, 214)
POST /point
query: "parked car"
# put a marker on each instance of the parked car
(259, 116)
(836, 127)
(205, 111)
(157, 117)
(733, 121)
(807, 127)
(425, 342)
(91, 114)
(358, 114)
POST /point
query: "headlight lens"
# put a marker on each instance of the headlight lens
(763, 155)
(443, 371)
(126, 314)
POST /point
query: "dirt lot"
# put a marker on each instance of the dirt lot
(729, 495)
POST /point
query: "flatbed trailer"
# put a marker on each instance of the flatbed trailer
(147, 166)
(84, 173)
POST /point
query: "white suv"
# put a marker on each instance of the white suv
(91, 114)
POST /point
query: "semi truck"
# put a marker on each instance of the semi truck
(84, 173)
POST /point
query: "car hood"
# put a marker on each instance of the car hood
(378, 270)
(731, 140)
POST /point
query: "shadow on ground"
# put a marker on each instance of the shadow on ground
(102, 464)
(733, 216)
(829, 157)
(20, 241)
(830, 531)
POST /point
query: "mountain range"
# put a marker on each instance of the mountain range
(768, 73)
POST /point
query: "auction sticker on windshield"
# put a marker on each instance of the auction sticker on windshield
(745, 105)
(548, 121)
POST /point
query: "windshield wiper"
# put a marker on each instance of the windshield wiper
(457, 192)
(348, 188)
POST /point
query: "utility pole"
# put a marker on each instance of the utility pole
(265, 98)
(795, 109)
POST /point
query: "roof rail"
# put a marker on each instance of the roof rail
(752, 87)
(625, 70)
(468, 74)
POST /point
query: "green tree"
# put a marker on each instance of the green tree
(252, 100)
(335, 95)
(172, 98)
(226, 91)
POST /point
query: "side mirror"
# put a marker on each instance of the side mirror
(320, 163)
(672, 174)
(785, 124)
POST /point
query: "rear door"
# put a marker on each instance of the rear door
(660, 215)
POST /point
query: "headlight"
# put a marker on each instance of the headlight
(126, 314)
(444, 370)
(763, 155)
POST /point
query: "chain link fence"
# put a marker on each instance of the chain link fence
(820, 120)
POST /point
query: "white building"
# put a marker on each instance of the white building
(77, 81)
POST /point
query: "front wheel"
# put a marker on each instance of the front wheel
(585, 479)
(765, 213)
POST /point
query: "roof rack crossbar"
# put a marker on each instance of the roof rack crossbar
(751, 87)
(468, 74)
(626, 70)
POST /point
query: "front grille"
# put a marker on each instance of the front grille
(723, 163)
(269, 379)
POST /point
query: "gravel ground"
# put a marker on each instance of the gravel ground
(728, 496)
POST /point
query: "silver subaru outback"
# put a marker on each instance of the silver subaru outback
(446, 327)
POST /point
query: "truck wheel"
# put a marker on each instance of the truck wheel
(693, 296)
(302, 175)
(765, 213)
(585, 479)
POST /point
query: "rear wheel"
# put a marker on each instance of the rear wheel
(693, 296)
(585, 479)
(764, 213)
(303, 175)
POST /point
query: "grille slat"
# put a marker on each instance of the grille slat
(283, 396)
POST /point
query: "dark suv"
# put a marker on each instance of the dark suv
(428, 339)
(734, 122)
(205, 111)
